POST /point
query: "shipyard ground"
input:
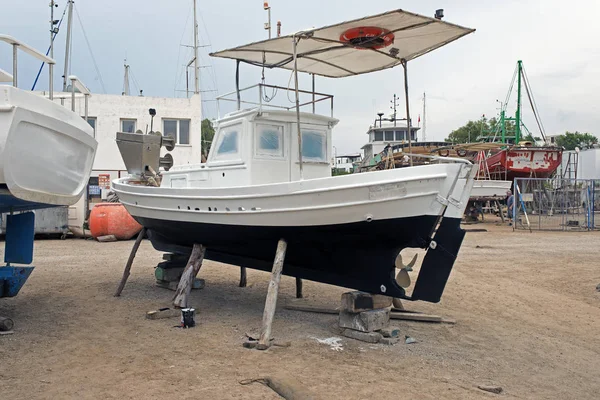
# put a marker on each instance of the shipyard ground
(526, 305)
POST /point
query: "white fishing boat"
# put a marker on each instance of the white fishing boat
(268, 174)
(46, 150)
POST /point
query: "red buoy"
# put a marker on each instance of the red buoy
(113, 219)
(368, 37)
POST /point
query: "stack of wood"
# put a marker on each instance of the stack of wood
(168, 273)
(366, 317)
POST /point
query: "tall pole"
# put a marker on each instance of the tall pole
(51, 66)
(15, 51)
(126, 80)
(313, 94)
(298, 105)
(408, 124)
(518, 113)
(196, 66)
(424, 118)
(68, 48)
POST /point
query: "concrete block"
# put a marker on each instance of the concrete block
(168, 274)
(366, 321)
(369, 337)
(389, 341)
(360, 301)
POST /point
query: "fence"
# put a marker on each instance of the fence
(556, 204)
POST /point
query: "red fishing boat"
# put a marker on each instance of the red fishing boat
(524, 162)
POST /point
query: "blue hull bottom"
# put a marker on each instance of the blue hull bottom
(358, 255)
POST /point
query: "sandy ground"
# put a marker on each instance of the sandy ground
(527, 309)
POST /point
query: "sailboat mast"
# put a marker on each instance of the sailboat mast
(68, 44)
(196, 66)
(518, 113)
(51, 66)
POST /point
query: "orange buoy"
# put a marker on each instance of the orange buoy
(113, 219)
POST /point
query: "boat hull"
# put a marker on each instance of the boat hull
(46, 151)
(346, 231)
(526, 162)
(490, 189)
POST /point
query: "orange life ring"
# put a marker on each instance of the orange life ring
(368, 37)
(444, 153)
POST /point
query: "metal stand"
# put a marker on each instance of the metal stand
(265, 335)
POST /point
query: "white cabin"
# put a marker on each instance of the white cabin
(384, 134)
(254, 147)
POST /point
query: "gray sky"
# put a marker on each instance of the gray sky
(556, 39)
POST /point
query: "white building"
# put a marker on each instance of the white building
(346, 162)
(108, 114)
(587, 161)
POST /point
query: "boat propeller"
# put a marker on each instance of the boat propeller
(403, 278)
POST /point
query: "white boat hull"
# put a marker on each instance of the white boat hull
(46, 152)
(490, 189)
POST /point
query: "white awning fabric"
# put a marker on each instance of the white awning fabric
(324, 52)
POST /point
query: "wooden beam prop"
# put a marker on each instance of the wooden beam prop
(299, 294)
(243, 277)
(189, 274)
(127, 270)
(264, 341)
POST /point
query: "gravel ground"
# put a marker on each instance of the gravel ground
(527, 311)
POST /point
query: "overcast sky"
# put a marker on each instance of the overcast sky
(556, 39)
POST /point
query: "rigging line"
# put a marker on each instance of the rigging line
(512, 84)
(48, 51)
(90, 50)
(534, 105)
(210, 44)
(135, 82)
(178, 74)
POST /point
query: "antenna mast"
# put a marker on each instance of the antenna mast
(126, 79)
(393, 107)
(424, 118)
(67, 50)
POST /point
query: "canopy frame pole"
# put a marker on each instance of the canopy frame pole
(237, 84)
(408, 124)
(296, 40)
(15, 48)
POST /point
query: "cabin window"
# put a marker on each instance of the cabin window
(389, 136)
(269, 140)
(177, 128)
(378, 136)
(128, 125)
(400, 135)
(92, 122)
(314, 146)
(228, 145)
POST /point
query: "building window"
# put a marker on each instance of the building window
(314, 146)
(389, 136)
(400, 135)
(92, 122)
(177, 128)
(378, 136)
(128, 125)
(269, 140)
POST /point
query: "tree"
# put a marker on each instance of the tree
(571, 140)
(469, 132)
(207, 133)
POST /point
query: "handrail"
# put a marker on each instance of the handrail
(5, 76)
(16, 44)
(77, 84)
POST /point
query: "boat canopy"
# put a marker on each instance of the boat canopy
(354, 47)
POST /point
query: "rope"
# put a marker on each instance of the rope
(90, 50)
(533, 105)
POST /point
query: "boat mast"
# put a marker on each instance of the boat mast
(51, 66)
(126, 80)
(68, 44)
(196, 66)
(408, 124)
(518, 113)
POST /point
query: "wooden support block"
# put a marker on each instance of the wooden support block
(299, 293)
(196, 285)
(107, 238)
(243, 277)
(180, 300)
(365, 321)
(354, 302)
(163, 313)
(168, 274)
(369, 337)
(390, 332)
(415, 317)
(271, 302)
(390, 341)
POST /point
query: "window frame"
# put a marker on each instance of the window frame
(237, 126)
(95, 119)
(375, 136)
(385, 136)
(178, 130)
(323, 134)
(121, 120)
(265, 154)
